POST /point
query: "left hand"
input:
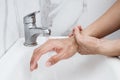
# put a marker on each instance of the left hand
(65, 48)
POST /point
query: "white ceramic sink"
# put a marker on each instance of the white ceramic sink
(14, 65)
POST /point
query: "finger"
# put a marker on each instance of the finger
(80, 28)
(36, 66)
(54, 59)
(36, 56)
(71, 34)
(38, 53)
(77, 34)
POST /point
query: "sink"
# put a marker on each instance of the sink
(14, 65)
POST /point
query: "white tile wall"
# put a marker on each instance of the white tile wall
(96, 8)
(2, 25)
(23, 8)
(8, 26)
(67, 17)
(11, 34)
(11, 20)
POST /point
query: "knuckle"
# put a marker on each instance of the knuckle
(51, 42)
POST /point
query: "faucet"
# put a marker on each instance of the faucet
(32, 31)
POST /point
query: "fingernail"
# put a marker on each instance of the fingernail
(48, 64)
(31, 68)
(79, 27)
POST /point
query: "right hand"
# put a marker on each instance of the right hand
(86, 44)
(72, 33)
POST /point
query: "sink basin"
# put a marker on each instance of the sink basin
(14, 65)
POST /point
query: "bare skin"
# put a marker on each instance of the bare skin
(86, 41)
(65, 48)
(106, 24)
(93, 45)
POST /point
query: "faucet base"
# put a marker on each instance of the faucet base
(30, 45)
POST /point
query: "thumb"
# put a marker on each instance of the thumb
(53, 60)
(80, 28)
(77, 34)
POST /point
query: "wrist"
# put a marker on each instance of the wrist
(75, 43)
(102, 47)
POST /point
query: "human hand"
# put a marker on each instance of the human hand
(65, 48)
(72, 33)
(86, 44)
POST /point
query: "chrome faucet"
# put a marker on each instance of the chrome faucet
(32, 31)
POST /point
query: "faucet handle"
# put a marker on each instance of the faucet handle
(47, 32)
(31, 18)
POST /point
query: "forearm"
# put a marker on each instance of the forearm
(109, 47)
(106, 24)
